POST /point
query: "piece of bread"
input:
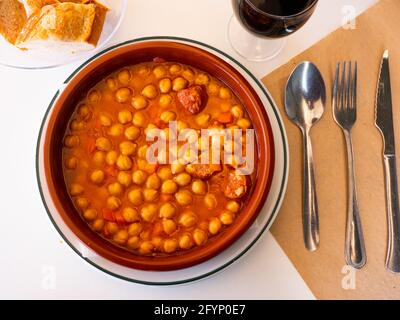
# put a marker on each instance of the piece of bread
(63, 27)
(12, 19)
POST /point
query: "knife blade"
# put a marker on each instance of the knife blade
(384, 122)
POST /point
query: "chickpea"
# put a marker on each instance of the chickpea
(169, 187)
(77, 125)
(97, 176)
(135, 229)
(177, 168)
(111, 84)
(115, 189)
(124, 178)
(237, 112)
(75, 189)
(167, 116)
(142, 152)
(215, 226)
(94, 96)
(149, 212)
(213, 88)
(71, 163)
(159, 72)
(188, 219)
(149, 91)
(225, 93)
(71, 141)
(132, 133)
(164, 173)
(157, 243)
(84, 112)
(233, 206)
(183, 179)
(145, 166)
(227, 217)
(145, 235)
(124, 116)
(153, 182)
(124, 76)
(146, 247)
(90, 214)
(181, 125)
(139, 119)
(116, 130)
(113, 203)
(130, 215)
(111, 228)
(103, 144)
(188, 74)
(133, 242)
(243, 123)
(150, 194)
(169, 226)
(175, 68)
(122, 95)
(184, 197)
(170, 245)
(127, 148)
(124, 162)
(139, 177)
(210, 201)
(186, 241)
(165, 100)
(143, 71)
(179, 84)
(82, 203)
(202, 79)
(111, 157)
(150, 131)
(98, 224)
(165, 85)
(121, 237)
(167, 210)
(199, 187)
(199, 237)
(203, 119)
(135, 197)
(139, 102)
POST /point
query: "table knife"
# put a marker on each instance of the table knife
(384, 122)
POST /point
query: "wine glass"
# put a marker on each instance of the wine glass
(258, 28)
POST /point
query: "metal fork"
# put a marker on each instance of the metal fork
(344, 104)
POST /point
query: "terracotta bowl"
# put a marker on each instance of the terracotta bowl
(135, 53)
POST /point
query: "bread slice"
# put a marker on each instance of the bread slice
(64, 27)
(12, 19)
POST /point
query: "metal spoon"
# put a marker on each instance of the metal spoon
(304, 105)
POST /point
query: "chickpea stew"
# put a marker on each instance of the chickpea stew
(152, 208)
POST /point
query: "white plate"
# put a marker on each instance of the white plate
(11, 56)
(231, 254)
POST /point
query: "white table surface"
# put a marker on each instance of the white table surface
(30, 247)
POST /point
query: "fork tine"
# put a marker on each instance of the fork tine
(349, 93)
(354, 88)
(335, 100)
(342, 88)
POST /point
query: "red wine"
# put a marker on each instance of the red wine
(281, 7)
(275, 18)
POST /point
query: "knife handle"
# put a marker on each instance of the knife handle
(310, 204)
(393, 211)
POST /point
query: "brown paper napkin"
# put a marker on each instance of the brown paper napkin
(324, 271)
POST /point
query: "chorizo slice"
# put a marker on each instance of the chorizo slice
(236, 185)
(191, 99)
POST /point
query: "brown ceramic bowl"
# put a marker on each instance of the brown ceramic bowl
(134, 53)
